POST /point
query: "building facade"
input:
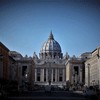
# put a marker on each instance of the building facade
(50, 67)
(4, 62)
(24, 70)
(92, 69)
(75, 71)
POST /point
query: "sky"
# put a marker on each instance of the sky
(26, 24)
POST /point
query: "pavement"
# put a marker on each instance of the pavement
(46, 98)
(54, 95)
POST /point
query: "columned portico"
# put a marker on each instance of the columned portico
(54, 74)
(50, 63)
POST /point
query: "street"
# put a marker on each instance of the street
(54, 95)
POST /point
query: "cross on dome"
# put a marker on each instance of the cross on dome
(51, 37)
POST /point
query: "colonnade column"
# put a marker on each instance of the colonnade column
(35, 75)
(63, 75)
(80, 75)
(88, 74)
(42, 75)
(46, 75)
(72, 78)
(58, 75)
(55, 75)
(52, 76)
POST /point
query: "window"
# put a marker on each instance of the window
(24, 69)
(53, 75)
(60, 74)
(38, 78)
(76, 70)
(45, 54)
(45, 75)
(60, 78)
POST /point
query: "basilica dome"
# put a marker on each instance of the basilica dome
(51, 47)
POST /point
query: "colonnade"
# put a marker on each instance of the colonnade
(52, 74)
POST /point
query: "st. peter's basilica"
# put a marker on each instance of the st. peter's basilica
(51, 67)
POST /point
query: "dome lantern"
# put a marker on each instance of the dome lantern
(51, 36)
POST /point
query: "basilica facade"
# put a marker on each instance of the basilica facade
(51, 67)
